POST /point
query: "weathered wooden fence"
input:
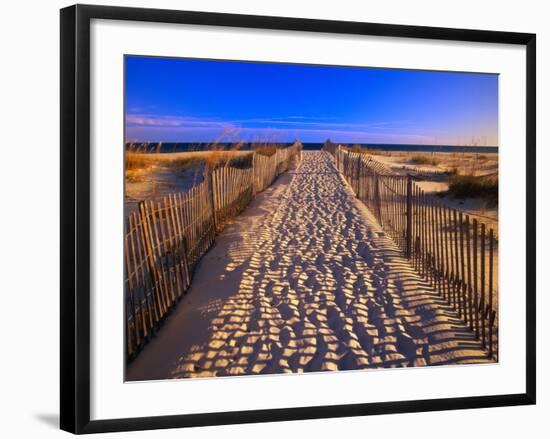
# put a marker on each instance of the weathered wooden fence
(457, 255)
(232, 190)
(267, 168)
(166, 238)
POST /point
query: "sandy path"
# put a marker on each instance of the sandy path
(305, 280)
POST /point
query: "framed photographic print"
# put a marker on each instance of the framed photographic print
(272, 218)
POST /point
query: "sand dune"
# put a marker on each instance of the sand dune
(305, 280)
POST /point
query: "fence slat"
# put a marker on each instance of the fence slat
(491, 324)
(469, 276)
(476, 293)
(482, 296)
(462, 271)
(148, 241)
(448, 274)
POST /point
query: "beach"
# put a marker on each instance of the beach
(433, 171)
(154, 175)
(305, 280)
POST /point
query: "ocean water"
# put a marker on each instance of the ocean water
(188, 146)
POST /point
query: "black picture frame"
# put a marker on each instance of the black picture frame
(75, 217)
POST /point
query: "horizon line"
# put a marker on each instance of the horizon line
(217, 142)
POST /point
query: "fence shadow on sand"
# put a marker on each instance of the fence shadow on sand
(306, 282)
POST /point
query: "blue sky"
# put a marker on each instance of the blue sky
(181, 100)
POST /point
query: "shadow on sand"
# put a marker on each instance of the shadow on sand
(305, 280)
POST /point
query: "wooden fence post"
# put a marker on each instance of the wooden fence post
(491, 317)
(211, 187)
(253, 174)
(377, 198)
(357, 174)
(409, 216)
(482, 261)
(476, 294)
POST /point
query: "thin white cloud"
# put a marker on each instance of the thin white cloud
(249, 133)
(176, 127)
(156, 121)
(290, 121)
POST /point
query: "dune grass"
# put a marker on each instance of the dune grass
(183, 160)
(364, 150)
(470, 186)
(267, 149)
(139, 157)
(424, 159)
(367, 150)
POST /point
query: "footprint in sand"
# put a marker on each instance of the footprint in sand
(325, 290)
